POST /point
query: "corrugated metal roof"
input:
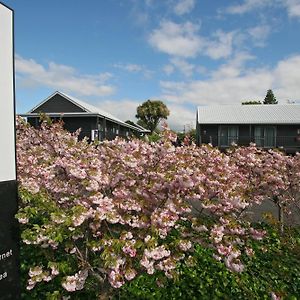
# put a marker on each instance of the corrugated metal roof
(141, 127)
(249, 114)
(88, 108)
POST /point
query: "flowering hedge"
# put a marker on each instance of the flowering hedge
(105, 213)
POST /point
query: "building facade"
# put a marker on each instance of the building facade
(268, 126)
(95, 123)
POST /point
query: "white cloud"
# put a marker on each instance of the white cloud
(234, 67)
(177, 39)
(184, 6)
(259, 34)
(287, 78)
(183, 40)
(181, 116)
(135, 68)
(293, 7)
(238, 84)
(248, 5)
(124, 109)
(202, 70)
(183, 66)
(129, 67)
(168, 69)
(218, 91)
(139, 11)
(62, 77)
(222, 46)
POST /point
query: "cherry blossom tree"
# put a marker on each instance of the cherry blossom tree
(112, 209)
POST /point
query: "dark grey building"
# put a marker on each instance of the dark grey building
(268, 126)
(95, 123)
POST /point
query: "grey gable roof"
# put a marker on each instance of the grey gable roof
(88, 109)
(249, 114)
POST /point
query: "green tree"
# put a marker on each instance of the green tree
(130, 122)
(151, 112)
(142, 123)
(252, 102)
(270, 98)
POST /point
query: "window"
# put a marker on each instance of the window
(228, 135)
(264, 136)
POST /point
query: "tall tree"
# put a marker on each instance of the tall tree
(151, 112)
(270, 98)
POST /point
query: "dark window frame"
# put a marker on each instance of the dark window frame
(264, 139)
(229, 139)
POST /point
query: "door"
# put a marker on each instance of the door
(264, 136)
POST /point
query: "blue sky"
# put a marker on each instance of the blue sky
(116, 54)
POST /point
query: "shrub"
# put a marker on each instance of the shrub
(99, 214)
(275, 268)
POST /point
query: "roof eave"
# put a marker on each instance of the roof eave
(250, 123)
(80, 114)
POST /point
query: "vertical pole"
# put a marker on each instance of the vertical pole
(104, 129)
(9, 233)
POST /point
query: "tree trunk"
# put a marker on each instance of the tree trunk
(280, 217)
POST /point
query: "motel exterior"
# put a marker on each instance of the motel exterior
(268, 126)
(95, 123)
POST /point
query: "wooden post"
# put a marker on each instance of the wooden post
(104, 129)
(9, 233)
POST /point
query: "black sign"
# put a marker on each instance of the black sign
(9, 235)
(9, 240)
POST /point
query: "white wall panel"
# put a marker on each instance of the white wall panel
(7, 126)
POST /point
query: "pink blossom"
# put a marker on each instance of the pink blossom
(23, 220)
(201, 228)
(224, 250)
(70, 284)
(116, 279)
(157, 253)
(217, 233)
(78, 173)
(184, 245)
(130, 274)
(275, 297)
(78, 220)
(75, 282)
(35, 271)
(147, 238)
(257, 234)
(129, 250)
(147, 264)
(103, 197)
(249, 251)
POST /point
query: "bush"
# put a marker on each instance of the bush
(94, 217)
(275, 268)
(200, 277)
